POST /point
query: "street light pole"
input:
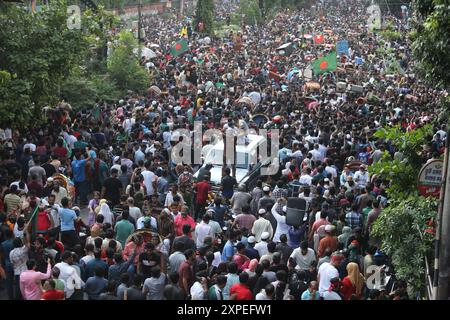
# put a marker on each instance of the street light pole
(139, 28)
(443, 229)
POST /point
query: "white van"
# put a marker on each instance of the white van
(246, 159)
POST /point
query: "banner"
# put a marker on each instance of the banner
(342, 47)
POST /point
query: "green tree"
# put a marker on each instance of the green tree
(205, 13)
(405, 235)
(401, 171)
(431, 43)
(250, 9)
(123, 65)
(39, 51)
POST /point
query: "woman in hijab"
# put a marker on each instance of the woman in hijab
(105, 211)
(251, 267)
(353, 284)
(165, 225)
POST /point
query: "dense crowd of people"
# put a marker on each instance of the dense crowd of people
(93, 207)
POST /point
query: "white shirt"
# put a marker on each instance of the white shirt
(361, 178)
(135, 213)
(303, 261)
(262, 295)
(261, 247)
(326, 272)
(306, 179)
(197, 292)
(106, 212)
(167, 137)
(332, 171)
(149, 177)
(16, 183)
(30, 146)
(316, 155)
(202, 230)
(327, 295)
(282, 227)
(70, 277)
(323, 151)
(262, 225)
(169, 199)
(128, 124)
(18, 233)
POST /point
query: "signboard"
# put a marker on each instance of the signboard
(430, 178)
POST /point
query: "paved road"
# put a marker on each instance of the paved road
(3, 294)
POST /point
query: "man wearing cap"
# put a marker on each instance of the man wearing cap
(328, 271)
(329, 242)
(261, 246)
(250, 251)
(262, 225)
(266, 201)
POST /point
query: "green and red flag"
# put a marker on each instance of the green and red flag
(325, 64)
(180, 47)
(318, 38)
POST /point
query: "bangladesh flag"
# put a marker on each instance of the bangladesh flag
(318, 39)
(324, 64)
(179, 47)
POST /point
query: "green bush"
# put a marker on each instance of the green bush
(123, 65)
(402, 229)
(391, 35)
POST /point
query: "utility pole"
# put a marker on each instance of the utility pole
(443, 233)
(181, 8)
(139, 28)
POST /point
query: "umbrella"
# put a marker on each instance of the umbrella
(146, 52)
(65, 106)
(314, 85)
(154, 45)
(154, 90)
(256, 97)
(307, 36)
(259, 119)
(246, 100)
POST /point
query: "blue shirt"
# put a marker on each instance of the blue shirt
(307, 295)
(67, 216)
(91, 265)
(228, 251)
(78, 170)
(6, 247)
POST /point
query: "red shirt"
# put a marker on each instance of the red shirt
(60, 151)
(347, 289)
(242, 292)
(53, 295)
(180, 222)
(186, 272)
(202, 188)
(43, 222)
